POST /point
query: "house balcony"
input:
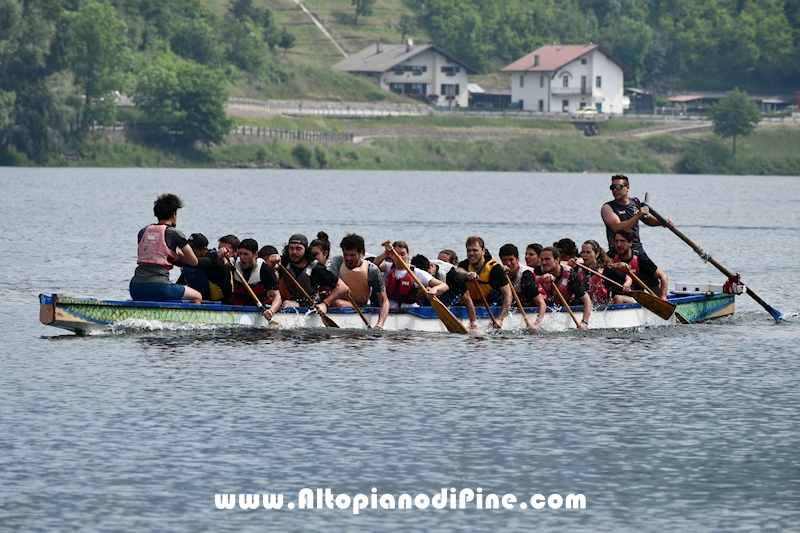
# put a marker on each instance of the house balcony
(569, 91)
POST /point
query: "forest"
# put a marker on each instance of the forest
(64, 63)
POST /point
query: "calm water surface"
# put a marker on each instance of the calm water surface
(685, 428)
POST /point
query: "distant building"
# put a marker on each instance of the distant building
(566, 78)
(488, 98)
(700, 101)
(640, 101)
(419, 71)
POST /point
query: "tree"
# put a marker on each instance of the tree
(100, 47)
(286, 41)
(407, 24)
(735, 115)
(363, 8)
(185, 100)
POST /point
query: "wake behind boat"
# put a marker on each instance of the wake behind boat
(88, 315)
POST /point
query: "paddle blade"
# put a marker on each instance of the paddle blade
(658, 306)
(328, 321)
(449, 320)
(777, 315)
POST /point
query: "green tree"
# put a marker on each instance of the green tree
(407, 24)
(303, 155)
(286, 41)
(185, 100)
(363, 8)
(37, 95)
(100, 48)
(735, 115)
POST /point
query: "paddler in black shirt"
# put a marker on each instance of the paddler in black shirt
(625, 213)
(311, 275)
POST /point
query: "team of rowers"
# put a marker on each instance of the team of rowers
(304, 274)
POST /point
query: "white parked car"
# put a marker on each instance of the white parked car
(585, 113)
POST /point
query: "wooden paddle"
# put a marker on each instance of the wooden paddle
(564, 303)
(705, 256)
(516, 299)
(653, 303)
(680, 317)
(447, 317)
(261, 306)
(358, 309)
(329, 323)
(486, 304)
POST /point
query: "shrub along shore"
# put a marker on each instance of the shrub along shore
(417, 145)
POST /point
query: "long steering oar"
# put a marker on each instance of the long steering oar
(261, 306)
(653, 303)
(329, 323)
(449, 320)
(516, 299)
(705, 256)
(358, 309)
(569, 309)
(486, 304)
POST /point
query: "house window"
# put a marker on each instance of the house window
(565, 106)
(565, 81)
(522, 81)
(541, 81)
(399, 70)
(451, 71)
(541, 105)
(415, 88)
(583, 61)
(449, 89)
(396, 88)
(598, 82)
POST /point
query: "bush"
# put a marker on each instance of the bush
(708, 158)
(303, 155)
(547, 157)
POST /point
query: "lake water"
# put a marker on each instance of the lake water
(693, 428)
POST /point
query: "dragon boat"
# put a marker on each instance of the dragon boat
(89, 315)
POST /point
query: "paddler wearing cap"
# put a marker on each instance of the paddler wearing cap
(260, 277)
(301, 265)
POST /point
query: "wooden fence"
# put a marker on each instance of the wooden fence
(295, 135)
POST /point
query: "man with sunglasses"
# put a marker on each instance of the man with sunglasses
(625, 213)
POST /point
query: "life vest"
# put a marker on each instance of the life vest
(241, 296)
(153, 248)
(516, 281)
(357, 280)
(290, 292)
(402, 290)
(561, 285)
(483, 280)
(594, 286)
(633, 263)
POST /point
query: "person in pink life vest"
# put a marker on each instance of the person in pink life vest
(160, 245)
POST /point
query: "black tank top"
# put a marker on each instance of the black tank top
(625, 212)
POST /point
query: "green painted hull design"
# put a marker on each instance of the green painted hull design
(89, 315)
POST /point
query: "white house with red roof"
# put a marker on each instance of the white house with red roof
(566, 78)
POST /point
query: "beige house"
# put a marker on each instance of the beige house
(419, 71)
(566, 78)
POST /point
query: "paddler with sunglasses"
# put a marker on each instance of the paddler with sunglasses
(624, 212)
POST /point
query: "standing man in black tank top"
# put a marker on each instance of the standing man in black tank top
(625, 213)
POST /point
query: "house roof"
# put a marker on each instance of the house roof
(474, 88)
(370, 60)
(686, 98)
(552, 57)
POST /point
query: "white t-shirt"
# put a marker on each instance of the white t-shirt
(444, 268)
